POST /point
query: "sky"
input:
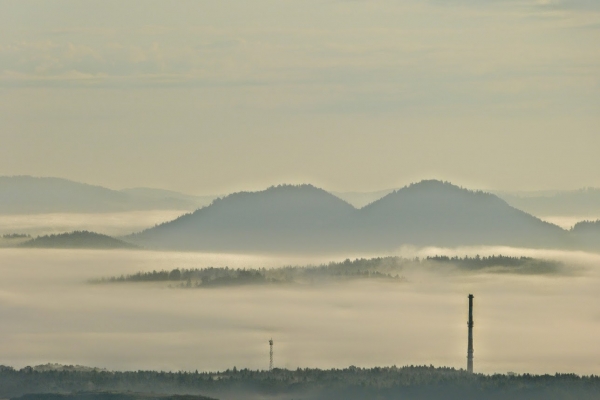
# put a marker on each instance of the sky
(211, 97)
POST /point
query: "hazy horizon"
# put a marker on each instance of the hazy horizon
(210, 98)
(48, 206)
(267, 133)
(381, 190)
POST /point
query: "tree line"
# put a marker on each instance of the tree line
(382, 268)
(411, 382)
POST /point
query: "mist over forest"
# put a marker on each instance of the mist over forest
(387, 268)
(302, 218)
(361, 302)
(299, 200)
(37, 195)
(414, 382)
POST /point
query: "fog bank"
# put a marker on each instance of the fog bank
(522, 323)
(112, 224)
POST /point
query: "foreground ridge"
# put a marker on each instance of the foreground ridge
(415, 382)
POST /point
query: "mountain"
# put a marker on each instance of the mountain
(281, 218)
(26, 194)
(31, 195)
(583, 202)
(77, 240)
(434, 213)
(587, 233)
(544, 203)
(168, 198)
(304, 218)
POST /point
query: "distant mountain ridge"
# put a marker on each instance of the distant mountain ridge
(77, 240)
(305, 218)
(587, 234)
(32, 195)
(572, 202)
(543, 203)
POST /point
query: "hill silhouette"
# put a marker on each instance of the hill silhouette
(77, 240)
(557, 203)
(305, 218)
(352, 383)
(543, 203)
(439, 213)
(280, 218)
(32, 195)
(587, 234)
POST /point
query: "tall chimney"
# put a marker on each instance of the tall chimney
(470, 324)
(271, 355)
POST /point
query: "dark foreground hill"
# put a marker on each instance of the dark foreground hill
(305, 218)
(77, 240)
(415, 383)
(109, 396)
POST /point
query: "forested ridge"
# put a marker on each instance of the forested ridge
(33, 195)
(501, 264)
(77, 239)
(410, 382)
(214, 277)
(109, 395)
(303, 218)
(384, 268)
(306, 219)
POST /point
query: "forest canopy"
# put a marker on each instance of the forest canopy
(76, 240)
(352, 383)
(382, 268)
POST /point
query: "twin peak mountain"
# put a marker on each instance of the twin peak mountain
(305, 218)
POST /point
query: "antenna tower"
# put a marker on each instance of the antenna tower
(470, 344)
(270, 354)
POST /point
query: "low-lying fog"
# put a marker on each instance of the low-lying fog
(537, 324)
(568, 222)
(114, 224)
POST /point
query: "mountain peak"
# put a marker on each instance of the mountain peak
(438, 185)
(300, 195)
(306, 218)
(435, 193)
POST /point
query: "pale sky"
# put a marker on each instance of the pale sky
(218, 96)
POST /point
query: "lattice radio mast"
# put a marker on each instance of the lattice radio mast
(271, 355)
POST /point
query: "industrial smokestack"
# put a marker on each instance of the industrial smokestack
(271, 355)
(470, 348)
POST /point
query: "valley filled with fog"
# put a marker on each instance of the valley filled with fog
(292, 200)
(108, 223)
(523, 323)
